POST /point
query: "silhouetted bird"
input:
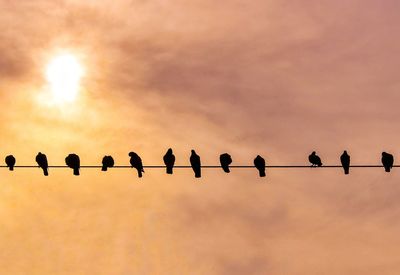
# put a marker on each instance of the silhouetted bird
(169, 160)
(387, 161)
(10, 161)
(136, 162)
(314, 159)
(107, 162)
(259, 163)
(196, 164)
(73, 162)
(41, 160)
(225, 160)
(345, 160)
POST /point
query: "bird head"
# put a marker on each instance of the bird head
(131, 154)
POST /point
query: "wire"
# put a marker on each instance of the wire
(209, 166)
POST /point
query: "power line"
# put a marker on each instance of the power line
(210, 166)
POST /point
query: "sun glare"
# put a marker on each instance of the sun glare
(64, 74)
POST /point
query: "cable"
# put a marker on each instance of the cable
(210, 166)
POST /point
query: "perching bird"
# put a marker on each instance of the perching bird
(10, 161)
(259, 163)
(196, 164)
(169, 160)
(41, 160)
(73, 162)
(387, 161)
(345, 160)
(107, 162)
(314, 159)
(136, 162)
(225, 160)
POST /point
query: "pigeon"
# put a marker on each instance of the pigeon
(387, 161)
(136, 162)
(10, 161)
(259, 163)
(41, 160)
(169, 160)
(196, 164)
(107, 162)
(345, 160)
(73, 162)
(225, 160)
(314, 159)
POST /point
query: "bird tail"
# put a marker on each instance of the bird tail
(11, 168)
(387, 168)
(169, 170)
(226, 169)
(197, 174)
(140, 173)
(262, 173)
(346, 170)
(45, 172)
(104, 168)
(76, 171)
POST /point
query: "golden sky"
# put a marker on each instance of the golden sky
(271, 77)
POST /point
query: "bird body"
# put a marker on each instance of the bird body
(169, 160)
(10, 161)
(259, 163)
(73, 162)
(314, 159)
(345, 160)
(196, 164)
(107, 162)
(225, 160)
(136, 162)
(387, 161)
(41, 160)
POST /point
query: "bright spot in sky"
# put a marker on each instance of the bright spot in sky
(64, 74)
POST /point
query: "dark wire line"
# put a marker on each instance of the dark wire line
(207, 166)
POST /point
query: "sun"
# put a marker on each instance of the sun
(64, 73)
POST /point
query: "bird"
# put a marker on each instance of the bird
(259, 163)
(345, 160)
(10, 161)
(73, 162)
(41, 160)
(196, 164)
(315, 160)
(387, 161)
(136, 162)
(107, 162)
(225, 159)
(169, 160)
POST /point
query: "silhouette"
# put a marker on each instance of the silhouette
(136, 162)
(169, 160)
(73, 162)
(41, 160)
(314, 160)
(107, 162)
(345, 160)
(196, 164)
(259, 163)
(225, 160)
(387, 161)
(10, 161)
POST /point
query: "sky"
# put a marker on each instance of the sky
(272, 77)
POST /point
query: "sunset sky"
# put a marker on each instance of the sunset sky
(271, 77)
